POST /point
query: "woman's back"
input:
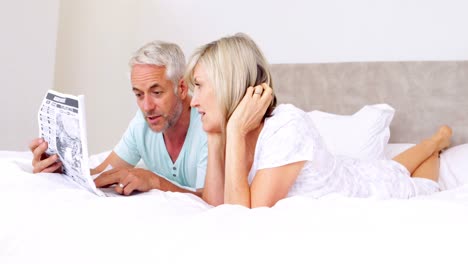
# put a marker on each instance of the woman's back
(290, 136)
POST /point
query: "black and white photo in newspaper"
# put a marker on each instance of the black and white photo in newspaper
(62, 125)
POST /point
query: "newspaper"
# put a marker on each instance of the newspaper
(62, 123)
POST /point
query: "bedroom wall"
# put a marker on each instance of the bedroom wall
(95, 41)
(97, 37)
(297, 31)
(28, 31)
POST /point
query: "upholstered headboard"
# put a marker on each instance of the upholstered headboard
(424, 94)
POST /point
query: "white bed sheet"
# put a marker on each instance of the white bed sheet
(47, 219)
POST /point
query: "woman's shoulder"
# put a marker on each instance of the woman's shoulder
(284, 116)
(285, 113)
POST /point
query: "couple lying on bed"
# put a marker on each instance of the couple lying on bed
(258, 152)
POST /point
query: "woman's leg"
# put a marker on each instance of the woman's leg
(429, 169)
(414, 157)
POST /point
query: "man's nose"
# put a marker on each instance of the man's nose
(148, 104)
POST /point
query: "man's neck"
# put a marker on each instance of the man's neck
(174, 137)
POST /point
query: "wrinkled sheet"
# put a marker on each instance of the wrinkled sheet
(48, 219)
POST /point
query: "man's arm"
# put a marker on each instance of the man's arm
(130, 179)
(115, 161)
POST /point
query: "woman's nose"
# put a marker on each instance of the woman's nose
(194, 101)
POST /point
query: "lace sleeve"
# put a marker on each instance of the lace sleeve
(290, 141)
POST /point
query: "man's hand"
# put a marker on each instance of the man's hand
(42, 162)
(129, 180)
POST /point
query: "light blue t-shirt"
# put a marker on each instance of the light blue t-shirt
(140, 142)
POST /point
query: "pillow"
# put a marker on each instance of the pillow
(362, 135)
(454, 167)
(453, 164)
(393, 149)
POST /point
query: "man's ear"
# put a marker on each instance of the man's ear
(182, 89)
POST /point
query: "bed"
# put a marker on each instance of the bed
(47, 219)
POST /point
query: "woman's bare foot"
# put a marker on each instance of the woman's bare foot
(442, 137)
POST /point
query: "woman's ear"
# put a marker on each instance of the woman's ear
(182, 89)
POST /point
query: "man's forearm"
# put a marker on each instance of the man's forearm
(167, 186)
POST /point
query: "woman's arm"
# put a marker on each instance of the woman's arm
(213, 192)
(237, 190)
(243, 128)
(271, 185)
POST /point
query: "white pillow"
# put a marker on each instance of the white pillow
(362, 135)
(393, 149)
(454, 167)
(453, 164)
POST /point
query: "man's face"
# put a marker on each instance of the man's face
(156, 96)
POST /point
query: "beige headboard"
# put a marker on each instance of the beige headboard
(424, 94)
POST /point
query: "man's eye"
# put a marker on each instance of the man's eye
(157, 92)
(138, 95)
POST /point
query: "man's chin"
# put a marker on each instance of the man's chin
(157, 128)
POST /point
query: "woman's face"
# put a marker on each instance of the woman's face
(204, 100)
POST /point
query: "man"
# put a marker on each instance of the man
(166, 132)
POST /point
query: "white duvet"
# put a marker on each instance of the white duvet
(47, 219)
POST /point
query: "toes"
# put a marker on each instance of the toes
(445, 130)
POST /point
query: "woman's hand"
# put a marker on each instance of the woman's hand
(250, 111)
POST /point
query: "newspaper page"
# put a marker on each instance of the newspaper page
(62, 124)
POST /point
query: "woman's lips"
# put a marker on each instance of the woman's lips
(202, 114)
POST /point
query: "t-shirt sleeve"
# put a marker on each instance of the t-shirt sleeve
(127, 148)
(286, 142)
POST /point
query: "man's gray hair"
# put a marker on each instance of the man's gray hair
(162, 53)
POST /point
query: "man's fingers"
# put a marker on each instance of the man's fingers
(38, 151)
(130, 187)
(109, 178)
(119, 189)
(35, 143)
(122, 184)
(52, 168)
(128, 184)
(41, 165)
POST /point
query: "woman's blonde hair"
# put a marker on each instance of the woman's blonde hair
(232, 65)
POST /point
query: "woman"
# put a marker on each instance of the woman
(259, 153)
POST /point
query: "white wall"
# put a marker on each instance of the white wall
(28, 31)
(318, 30)
(96, 39)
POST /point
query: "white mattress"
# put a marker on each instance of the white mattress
(47, 219)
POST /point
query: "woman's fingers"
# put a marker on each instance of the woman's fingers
(267, 90)
(258, 90)
(249, 91)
